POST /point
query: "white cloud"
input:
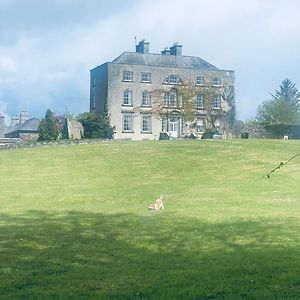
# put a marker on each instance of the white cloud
(50, 59)
(7, 64)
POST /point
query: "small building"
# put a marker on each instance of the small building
(26, 131)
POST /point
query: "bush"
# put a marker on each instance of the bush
(96, 126)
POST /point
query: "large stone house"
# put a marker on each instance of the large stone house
(123, 89)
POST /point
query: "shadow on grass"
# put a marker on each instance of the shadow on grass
(86, 255)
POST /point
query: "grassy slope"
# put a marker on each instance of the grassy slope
(74, 221)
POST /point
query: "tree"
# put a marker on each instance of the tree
(190, 101)
(48, 128)
(96, 126)
(283, 108)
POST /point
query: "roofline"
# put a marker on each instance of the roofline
(98, 66)
(189, 68)
(131, 52)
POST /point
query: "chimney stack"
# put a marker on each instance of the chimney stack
(142, 47)
(23, 116)
(176, 50)
(15, 120)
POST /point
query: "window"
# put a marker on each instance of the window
(170, 99)
(127, 76)
(93, 101)
(146, 123)
(216, 82)
(94, 82)
(146, 98)
(127, 122)
(145, 77)
(199, 101)
(127, 98)
(173, 79)
(200, 125)
(200, 80)
(217, 102)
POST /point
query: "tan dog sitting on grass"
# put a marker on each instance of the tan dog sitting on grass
(158, 204)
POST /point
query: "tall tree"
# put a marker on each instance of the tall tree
(283, 107)
(48, 128)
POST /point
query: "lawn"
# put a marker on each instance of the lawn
(74, 221)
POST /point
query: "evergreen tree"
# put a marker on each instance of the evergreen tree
(48, 128)
(283, 107)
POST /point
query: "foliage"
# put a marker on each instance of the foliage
(226, 232)
(48, 128)
(96, 126)
(186, 93)
(283, 107)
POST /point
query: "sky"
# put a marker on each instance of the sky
(47, 48)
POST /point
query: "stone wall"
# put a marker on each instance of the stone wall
(74, 129)
(266, 131)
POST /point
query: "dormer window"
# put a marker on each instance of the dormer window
(173, 79)
(127, 76)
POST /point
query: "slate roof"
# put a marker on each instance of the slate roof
(159, 60)
(29, 125)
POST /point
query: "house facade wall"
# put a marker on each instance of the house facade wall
(108, 86)
(98, 88)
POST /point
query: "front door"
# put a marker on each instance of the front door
(173, 127)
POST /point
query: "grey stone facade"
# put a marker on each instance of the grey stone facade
(126, 83)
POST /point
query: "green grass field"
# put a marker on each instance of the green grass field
(74, 221)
